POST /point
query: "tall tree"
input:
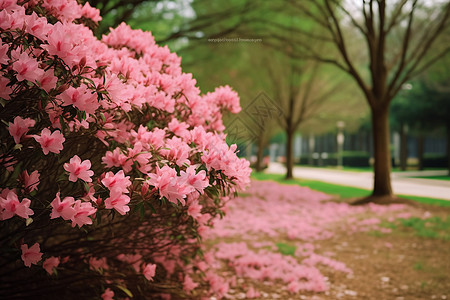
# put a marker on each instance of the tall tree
(396, 37)
(302, 88)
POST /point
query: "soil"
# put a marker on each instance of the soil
(399, 265)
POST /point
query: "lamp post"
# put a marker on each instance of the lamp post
(340, 142)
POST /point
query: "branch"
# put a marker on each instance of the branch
(419, 53)
(406, 39)
(340, 43)
(353, 20)
(395, 16)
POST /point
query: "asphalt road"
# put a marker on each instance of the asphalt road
(402, 184)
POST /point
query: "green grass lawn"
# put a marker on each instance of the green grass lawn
(395, 169)
(343, 192)
(443, 177)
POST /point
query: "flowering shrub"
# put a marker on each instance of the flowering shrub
(112, 164)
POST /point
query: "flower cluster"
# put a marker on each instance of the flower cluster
(108, 136)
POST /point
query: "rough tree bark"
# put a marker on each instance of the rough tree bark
(289, 154)
(382, 154)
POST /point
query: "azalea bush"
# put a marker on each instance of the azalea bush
(112, 165)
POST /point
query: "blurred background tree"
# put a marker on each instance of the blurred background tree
(375, 47)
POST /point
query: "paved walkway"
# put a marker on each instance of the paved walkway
(401, 183)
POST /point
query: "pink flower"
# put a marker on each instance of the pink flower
(98, 263)
(27, 68)
(198, 181)
(177, 151)
(50, 263)
(81, 98)
(169, 184)
(31, 255)
(50, 142)
(149, 271)
(4, 59)
(89, 195)
(140, 156)
(91, 13)
(37, 26)
(116, 159)
(11, 206)
(58, 44)
(62, 209)
(118, 201)
(189, 284)
(116, 182)
(82, 212)
(79, 170)
(5, 91)
(48, 80)
(108, 294)
(54, 111)
(20, 127)
(30, 181)
(178, 128)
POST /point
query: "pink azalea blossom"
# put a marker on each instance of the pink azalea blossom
(51, 263)
(81, 98)
(140, 156)
(91, 13)
(63, 209)
(4, 59)
(98, 263)
(116, 158)
(198, 181)
(117, 182)
(37, 26)
(54, 112)
(169, 184)
(177, 151)
(20, 128)
(30, 181)
(31, 255)
(27, 68)
(10, 206)
(50, 142)
(149, 271)
(82, 212)
(89, 196)
(79, 170)
(118, 201)
(108, 294)
(5, 91)
(48, 80)
(189, 284)
(57, 42)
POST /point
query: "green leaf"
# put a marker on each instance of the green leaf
(86, 187)
(126, 291)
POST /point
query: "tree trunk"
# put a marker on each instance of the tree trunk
(403, 147)
(420, 150)
(448, 147)
(260, 154)
(382, 155)
(289, 153)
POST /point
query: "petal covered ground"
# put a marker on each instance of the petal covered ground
(279, 242)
